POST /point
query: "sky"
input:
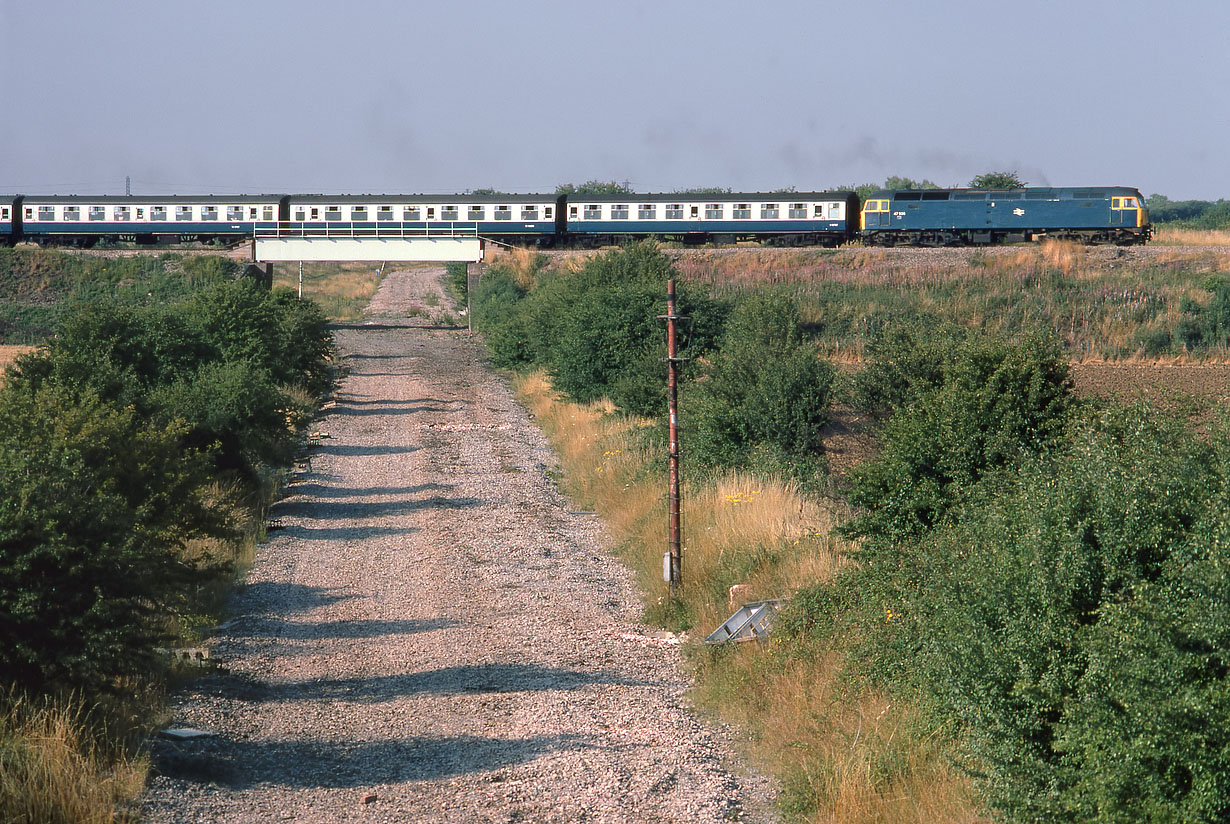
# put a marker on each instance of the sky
(398, 96)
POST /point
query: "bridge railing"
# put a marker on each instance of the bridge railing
(339, 229)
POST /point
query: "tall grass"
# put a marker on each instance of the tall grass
(56, 766)
(1172, 236)
(840, 754)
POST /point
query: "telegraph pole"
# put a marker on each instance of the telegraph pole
(674, 566)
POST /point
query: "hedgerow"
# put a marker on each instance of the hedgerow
(112, 441)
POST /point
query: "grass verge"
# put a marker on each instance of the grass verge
(840, 752)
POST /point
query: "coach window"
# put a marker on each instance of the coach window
(183, 213)
(358, 213)
(546, 212)
(98, 213)
(673, 211)
(384, 213)
(619, 211)
(333, 213)
(4, 213)
(572, 212)
(158, 213)
(475, 213)
(315, 213)
(234, 213)
(503, 213)
(769, 211)
(449, 213)
(410, 213)
(70, 213)
(140, 213)
(818, 212)
(646, 211)
(209, 213)
(121, 213)
(742, 211)
(713, 211)
(431, 212)
(46, 213)
(798, 211)
(29, 213)
(299, 214)
(593, 211)
(529, 213)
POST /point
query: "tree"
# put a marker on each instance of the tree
(594, 187)
(908, 183)
(997, 180)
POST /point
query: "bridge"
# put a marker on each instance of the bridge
(292, 241)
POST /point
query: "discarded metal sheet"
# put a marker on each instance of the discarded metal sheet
(184, 733)
(750, 622)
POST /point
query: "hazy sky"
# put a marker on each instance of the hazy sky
(407, 97)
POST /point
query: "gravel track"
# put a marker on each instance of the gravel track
(433, 636)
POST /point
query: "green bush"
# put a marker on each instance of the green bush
(766, 397)
(96, 505)
(997, 402)
(1052, 597)
(903, 361)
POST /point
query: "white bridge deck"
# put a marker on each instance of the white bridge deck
(344, 241)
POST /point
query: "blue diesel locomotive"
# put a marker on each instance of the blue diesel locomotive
(962, 217)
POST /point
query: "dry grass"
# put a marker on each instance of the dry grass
(8, 354)
(52, 769)
(341, 289)
(1167, 236)
(842, 755)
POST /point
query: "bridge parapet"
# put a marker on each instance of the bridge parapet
(338, 241)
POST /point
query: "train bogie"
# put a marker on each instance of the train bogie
(951, 217)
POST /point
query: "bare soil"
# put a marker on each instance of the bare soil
(433, 635)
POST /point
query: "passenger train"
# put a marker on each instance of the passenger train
(933, 217)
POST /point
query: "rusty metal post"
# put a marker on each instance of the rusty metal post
(672, 387)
